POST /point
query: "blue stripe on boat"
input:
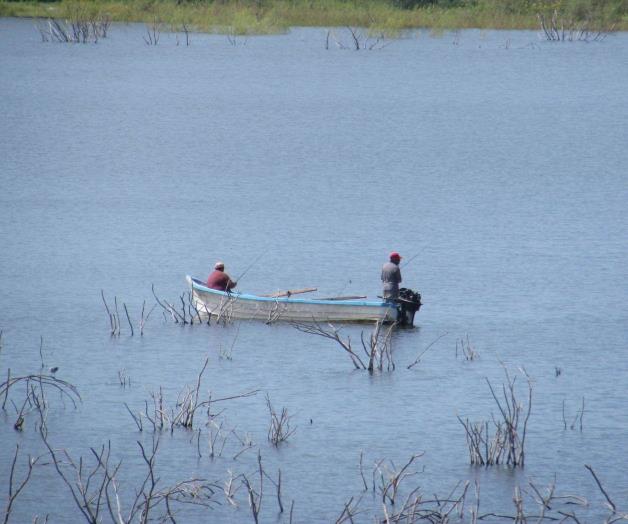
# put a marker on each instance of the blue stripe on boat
(245, 296)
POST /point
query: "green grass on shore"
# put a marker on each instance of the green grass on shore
(272, 16)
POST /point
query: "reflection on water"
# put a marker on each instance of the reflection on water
(125, 165)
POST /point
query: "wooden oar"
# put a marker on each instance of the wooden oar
(290, 292)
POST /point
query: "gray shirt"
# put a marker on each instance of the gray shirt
(391, 277)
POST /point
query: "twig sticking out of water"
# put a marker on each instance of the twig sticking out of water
(230, 488)
(153, 32)
(35, 393)
(468, 352)
(255, 495)
(333, 333)
(168, 308)
(186, 31)
(350, 510)
(182, 414)
(227, 353)
(483, 450)
(81, 27)
(510, 429)
(94, 486)
(235, 38)
(188, 313)
(378, 348)
(213, 438)
(128, 318)
(16, 487)
(580, 417)
(114, 315)
(577, 419)
(548, 504)
(279, 429)
(245, 441)
(358, 40)
(391, 481)
(391, 478)
(362, 472)
(123, 378)
(144, 319)
(557, 29)
(277, 485)
(114, 318)
(6, 389)
(41, 354)
(611, 504)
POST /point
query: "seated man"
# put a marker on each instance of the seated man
(219, 279)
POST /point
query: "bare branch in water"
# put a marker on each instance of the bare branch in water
(279, 429)
(378, 349)
(510, 430)
(35, 387)
(153, 32)
(16, 487)
(418, 359)
(255, 496)
(128, 318)
(559, 29)
(599, 485)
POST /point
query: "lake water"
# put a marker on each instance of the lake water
(499, 159)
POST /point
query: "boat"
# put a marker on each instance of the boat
(284, 306)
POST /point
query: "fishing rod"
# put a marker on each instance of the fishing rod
(402, 265)
(410, 260)
(251, 265)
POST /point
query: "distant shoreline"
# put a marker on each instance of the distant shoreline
(275, 16)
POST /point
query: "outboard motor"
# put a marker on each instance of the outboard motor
(408, 303)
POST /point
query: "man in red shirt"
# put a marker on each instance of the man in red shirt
(219, 279)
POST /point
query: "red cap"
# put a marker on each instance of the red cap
(394, 254)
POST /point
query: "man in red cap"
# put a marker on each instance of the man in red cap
(219, 279)
(391, 277)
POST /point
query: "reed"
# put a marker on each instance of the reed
(81, 23)
(274, 16)
(557, 28)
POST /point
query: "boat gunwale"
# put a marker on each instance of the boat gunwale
(197, 285)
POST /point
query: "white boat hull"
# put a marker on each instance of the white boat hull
(228, 306)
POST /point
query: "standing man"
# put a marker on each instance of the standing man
(219, 279)
(391, 277)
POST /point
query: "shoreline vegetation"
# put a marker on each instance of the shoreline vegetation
(386, 16)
